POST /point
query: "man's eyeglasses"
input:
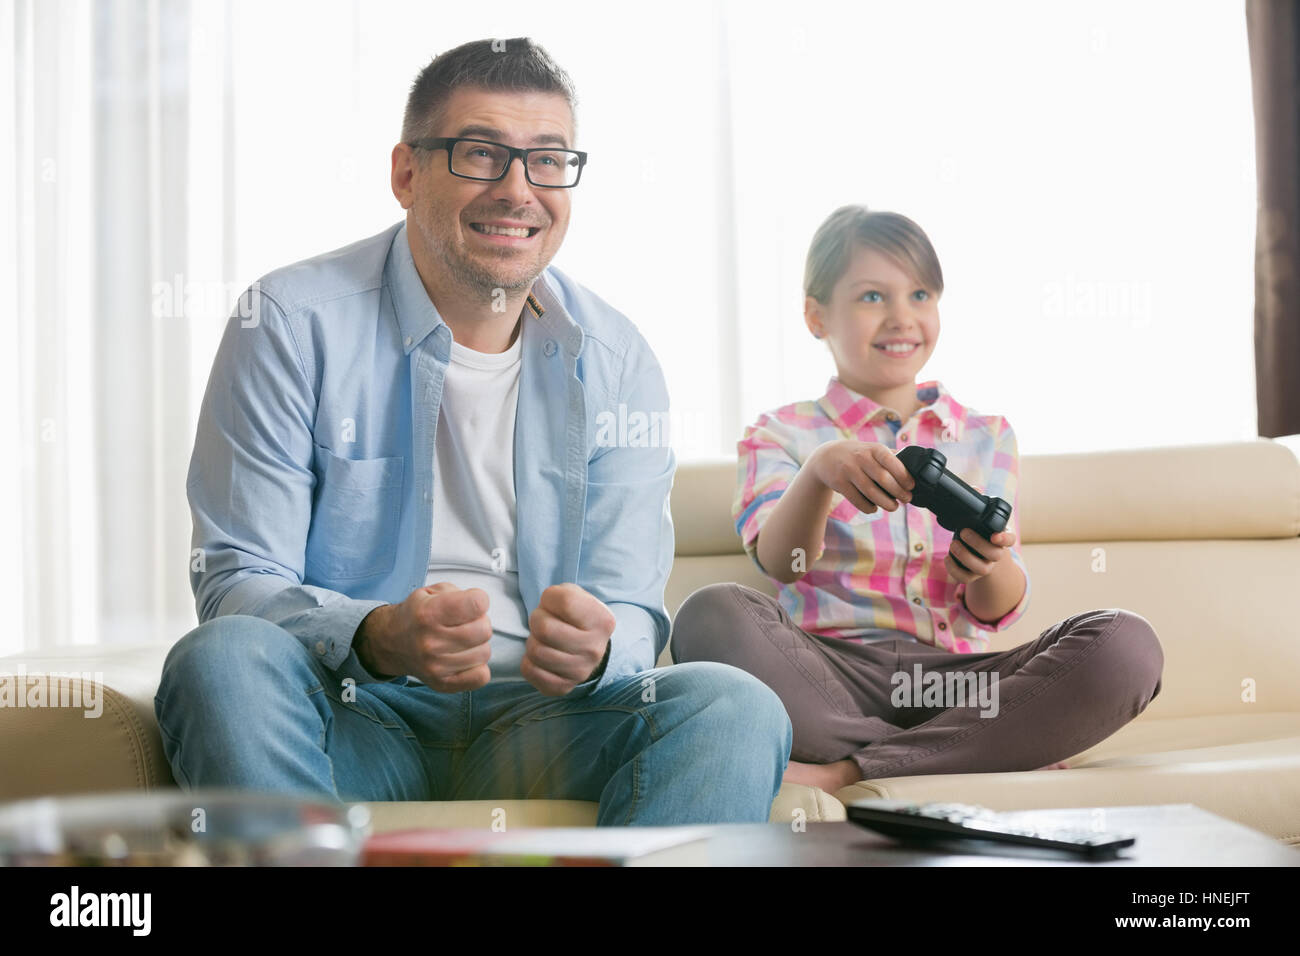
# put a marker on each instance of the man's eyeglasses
(488, 161)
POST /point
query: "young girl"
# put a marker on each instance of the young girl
(875, 641)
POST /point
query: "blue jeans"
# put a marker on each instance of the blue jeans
(242, 703)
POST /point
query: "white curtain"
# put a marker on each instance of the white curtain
(1085, 170)
(98, 375)
(51, 569)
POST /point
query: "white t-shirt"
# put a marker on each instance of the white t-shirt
(474, 493)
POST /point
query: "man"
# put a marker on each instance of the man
(424, 570)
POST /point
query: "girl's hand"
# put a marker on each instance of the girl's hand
(867, 473)
(971, 556)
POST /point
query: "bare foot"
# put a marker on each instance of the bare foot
(828, 776)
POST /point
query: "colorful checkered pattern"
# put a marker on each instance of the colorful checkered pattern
(883, 570)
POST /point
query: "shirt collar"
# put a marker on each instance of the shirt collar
(417, 317)
(852, 411)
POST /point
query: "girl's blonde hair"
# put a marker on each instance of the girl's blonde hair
(889, 233)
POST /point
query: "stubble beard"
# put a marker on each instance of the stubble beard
(465, 272)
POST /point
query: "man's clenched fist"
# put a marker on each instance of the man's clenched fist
(568, 633)
(440, 635)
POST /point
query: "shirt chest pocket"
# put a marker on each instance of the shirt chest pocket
(358, 504)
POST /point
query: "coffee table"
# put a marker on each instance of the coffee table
(1168, 835)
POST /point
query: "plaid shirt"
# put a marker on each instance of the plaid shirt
(884, 570)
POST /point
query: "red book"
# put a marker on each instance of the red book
(553, 846)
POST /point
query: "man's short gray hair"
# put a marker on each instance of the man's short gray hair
(517, 64)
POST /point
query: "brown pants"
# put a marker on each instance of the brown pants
(879, 705)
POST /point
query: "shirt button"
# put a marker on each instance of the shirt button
(943, 626)
(919, 547)
(549, 348)
(903, 437)
(916, 600)
(320, 647)
(408, 341)
(891, 416)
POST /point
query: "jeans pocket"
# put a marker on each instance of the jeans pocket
(354, 698)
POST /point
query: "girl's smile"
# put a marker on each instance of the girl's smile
(898, 350)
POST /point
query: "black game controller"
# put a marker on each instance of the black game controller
(956, 504)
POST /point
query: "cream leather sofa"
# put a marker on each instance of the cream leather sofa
(1202, 540)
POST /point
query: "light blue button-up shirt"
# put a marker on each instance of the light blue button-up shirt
(311, 482)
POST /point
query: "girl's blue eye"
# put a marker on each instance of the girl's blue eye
(874, 292)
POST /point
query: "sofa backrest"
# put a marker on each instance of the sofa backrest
(1201, 540)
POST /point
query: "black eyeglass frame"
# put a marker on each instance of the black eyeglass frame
(447, 142)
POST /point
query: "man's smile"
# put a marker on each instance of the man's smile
(503, 232)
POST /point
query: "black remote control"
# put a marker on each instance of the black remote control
(934, 822)
(956, 504)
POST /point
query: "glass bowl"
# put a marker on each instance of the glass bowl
(210, 827)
